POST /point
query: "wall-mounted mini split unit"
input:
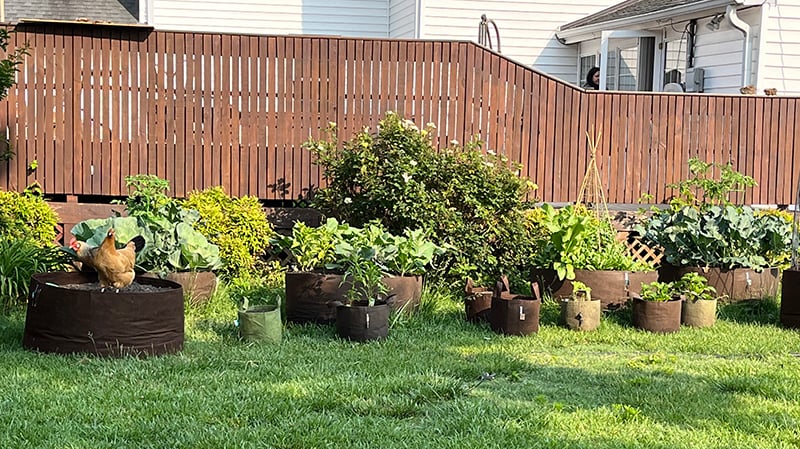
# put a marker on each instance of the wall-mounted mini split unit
(694, 79)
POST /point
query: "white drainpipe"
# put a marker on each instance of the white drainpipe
(742, 26)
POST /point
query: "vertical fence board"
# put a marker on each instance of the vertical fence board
(788, 128)
(254, 122)
(542, 99)
(176, 115)
(226, 119)
(794, 159)
(281, 117)
(189, 117)
(271, 66)
(139, 100)
(69, 117)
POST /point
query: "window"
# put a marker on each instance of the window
(675, 61)
(587, 62)
(627, 68)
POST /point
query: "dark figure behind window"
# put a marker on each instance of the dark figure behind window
(593, 79)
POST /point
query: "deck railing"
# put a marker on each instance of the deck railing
(94, 104)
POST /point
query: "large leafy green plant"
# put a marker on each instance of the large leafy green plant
(691, 286)
(465, 199)
(695, 287)
(574, 238)
(311, 248)
(658, 291)
(702, 227)
(334, 245)
(171, 244)
(719, 236)
(171, 241)
(358, 258)
(702, 188)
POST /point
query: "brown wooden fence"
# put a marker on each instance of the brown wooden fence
(94, 104)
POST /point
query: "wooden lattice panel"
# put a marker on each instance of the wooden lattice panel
(638, 249)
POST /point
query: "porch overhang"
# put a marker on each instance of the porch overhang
(574, 35)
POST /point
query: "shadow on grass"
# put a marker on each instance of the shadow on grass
(550, 312)
(765, 311)
(642, 389)
(622, 317)
(11, 329)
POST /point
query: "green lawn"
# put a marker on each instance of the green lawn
(734, 385)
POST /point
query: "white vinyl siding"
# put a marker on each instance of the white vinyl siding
(403, 19)
(367, 18)
(780, 67)
(721, 52)
(527, 29)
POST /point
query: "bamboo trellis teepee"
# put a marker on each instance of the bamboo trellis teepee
(592, 193)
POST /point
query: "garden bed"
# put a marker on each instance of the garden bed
(140, 321)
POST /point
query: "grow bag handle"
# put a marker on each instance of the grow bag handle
(535, 291)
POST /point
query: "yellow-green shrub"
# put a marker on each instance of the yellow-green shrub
(239, 226)
(27, 215)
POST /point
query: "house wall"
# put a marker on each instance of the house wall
(527, 29)
(779, 67)
(343, 17)
(721, 52)
(403, 18)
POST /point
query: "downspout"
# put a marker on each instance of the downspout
(742, 26)
(690, 43)
(420, 9)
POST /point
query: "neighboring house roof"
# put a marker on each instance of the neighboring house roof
(626, 9)
(114, 11)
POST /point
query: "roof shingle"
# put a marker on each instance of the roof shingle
(626, 9)
(115, 11)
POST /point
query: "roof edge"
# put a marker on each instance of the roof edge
(587, 32)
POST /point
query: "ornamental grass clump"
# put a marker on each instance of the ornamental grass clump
(19, 260)
(468, 200)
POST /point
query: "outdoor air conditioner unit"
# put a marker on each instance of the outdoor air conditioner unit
(694, 79)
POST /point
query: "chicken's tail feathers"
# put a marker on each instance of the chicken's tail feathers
(138, 243)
